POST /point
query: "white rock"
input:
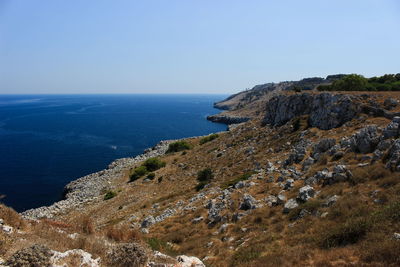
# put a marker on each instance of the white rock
(187, 261)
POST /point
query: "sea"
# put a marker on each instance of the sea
(47, 141)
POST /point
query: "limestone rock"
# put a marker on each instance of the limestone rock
(186, 261)
(248, 203)
(289, 205)
(305, 193)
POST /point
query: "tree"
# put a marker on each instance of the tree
(352, 82)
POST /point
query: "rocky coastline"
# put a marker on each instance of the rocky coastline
(90, 187)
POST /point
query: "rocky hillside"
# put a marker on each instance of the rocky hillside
(309, 179)
(250, 103)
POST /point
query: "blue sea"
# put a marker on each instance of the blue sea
(47, 141)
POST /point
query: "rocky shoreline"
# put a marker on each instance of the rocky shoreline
(90, 187)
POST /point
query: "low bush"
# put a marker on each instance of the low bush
(109, 195)
(153, 164)
(208, 138)
(204, 177)
(128, 254)
(151, 176)
(344, 234)
(137, 173)
(178, 146)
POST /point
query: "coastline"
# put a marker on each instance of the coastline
(91, 187)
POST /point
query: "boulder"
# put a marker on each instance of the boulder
(330, 201)
(248, 203)
(393, 161)
(365, 140)
(271, 200)
(289, 205)
(392, 129)
(323, 146)
(186, 261)
(305, 193)
(148, 221)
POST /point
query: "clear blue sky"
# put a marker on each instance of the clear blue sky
(189, 46)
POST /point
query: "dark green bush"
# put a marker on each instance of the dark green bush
(208, 138)
(137, 173)
(153, 164)
(151, 176)
(178, 146)
(205, 175)
(109, 195)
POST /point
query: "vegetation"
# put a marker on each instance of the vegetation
(109, 195)
(178, 146)
(150, 165)
(137, 173)
(204, 177)
(208, 138)
(153, 164)
(242, 177)
(354, 82)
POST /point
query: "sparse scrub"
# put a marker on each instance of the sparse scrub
(246, 255)
(122, 234)
(178, 146)
(128, 255)
(204, 177)
(208, 138)
(109, 195)
(350, 232)
(151, 176)
(153, 164)
(242, 177)
(150, 165)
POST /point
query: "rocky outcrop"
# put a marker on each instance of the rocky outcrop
(326, 111)
(227, 119)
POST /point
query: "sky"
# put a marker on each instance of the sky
(189, 46)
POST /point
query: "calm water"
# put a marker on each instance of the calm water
(47, 141)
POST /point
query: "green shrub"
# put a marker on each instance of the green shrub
(137, 173)
(153, 164)
(205, 175)
(151, 176)
(200, 186)
(178, 146)
(208, 138)
(109, 195)
(350, 232)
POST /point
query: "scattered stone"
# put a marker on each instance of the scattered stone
(248, 203)
(186, 261)
(288, 184)
(271, 200)
(305, 193)
(148, 221)
(197, 219)
(85, 258)
(390, 103)
(289, 205)
(365, 140)
(331, 200)
(396, 236)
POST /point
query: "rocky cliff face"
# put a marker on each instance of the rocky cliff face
(326, 111)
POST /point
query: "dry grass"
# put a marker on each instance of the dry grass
(11, 217)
